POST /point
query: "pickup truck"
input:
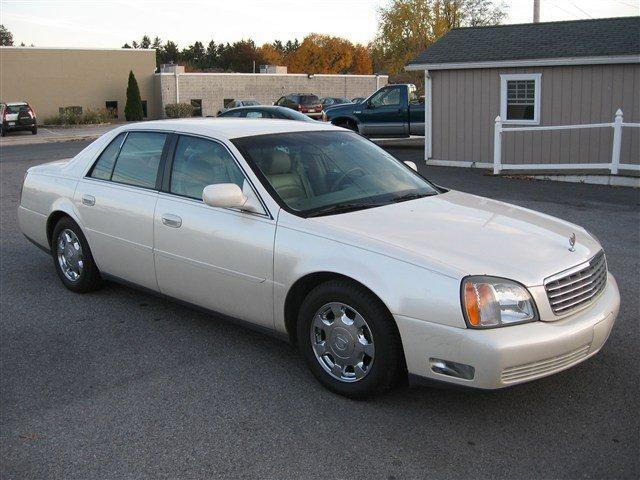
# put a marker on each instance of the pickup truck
(392, 111)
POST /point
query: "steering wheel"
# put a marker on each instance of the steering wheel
(338, 183)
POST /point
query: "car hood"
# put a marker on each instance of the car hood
(459, 234)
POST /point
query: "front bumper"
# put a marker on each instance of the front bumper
(511, 355)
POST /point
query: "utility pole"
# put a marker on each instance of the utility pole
(536, 11)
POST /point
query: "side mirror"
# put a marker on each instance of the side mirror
(411, 165)
(226, 195)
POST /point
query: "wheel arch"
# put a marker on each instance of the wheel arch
(346, 118)
(60, 210)
(301, 288)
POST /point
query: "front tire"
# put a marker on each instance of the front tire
(349, 340)
(72, 257)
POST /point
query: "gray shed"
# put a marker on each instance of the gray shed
(556, 88)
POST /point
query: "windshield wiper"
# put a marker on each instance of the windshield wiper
(343, 208)
(411, 196)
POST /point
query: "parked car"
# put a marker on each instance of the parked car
(357, 100)
(17, 116)
(314, 233)
(266, 111)
(306, 103)
(238, 103)
(392, 111)
(330, 101)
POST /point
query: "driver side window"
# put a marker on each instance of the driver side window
(197, 163)
(387, 97)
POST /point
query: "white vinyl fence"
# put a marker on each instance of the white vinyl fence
(614, 167)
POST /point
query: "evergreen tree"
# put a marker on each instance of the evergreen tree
(133, 109)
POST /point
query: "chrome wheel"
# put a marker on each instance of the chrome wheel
(342, 342)
(70, 256)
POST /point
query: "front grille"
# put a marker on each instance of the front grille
(577, 287)
(532, 370)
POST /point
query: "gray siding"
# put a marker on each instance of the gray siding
(466, 102)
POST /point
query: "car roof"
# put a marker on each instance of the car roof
(15, 104)
(229, 128)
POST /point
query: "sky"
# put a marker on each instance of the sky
(109, 24)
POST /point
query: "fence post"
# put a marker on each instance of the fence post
(617, 143)
(497, 147)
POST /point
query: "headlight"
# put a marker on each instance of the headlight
(489, 302)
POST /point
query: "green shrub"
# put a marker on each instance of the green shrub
(88, 117)
(133, 109)
(178, 110)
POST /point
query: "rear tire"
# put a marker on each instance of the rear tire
(3, 132)
(72, 257)
(356, 351)
(34, 130)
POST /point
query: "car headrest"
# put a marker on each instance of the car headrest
(280, 163)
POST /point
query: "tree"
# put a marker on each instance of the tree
(145, 42)
(407, 27)
(133, 109)
(6, 37)
(362, 62)
(126, 45)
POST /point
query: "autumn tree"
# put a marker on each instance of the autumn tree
(407, 27)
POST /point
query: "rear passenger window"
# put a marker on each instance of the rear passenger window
(104, 166)
(198, 163)
(139, 158)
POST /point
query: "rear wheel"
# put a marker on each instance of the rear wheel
(348, 340)
(34, 130)
(72, 257)
(3, 132)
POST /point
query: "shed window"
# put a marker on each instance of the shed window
(520, 98)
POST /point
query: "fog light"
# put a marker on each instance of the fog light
(452, 369)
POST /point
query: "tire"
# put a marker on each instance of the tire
(82, 264)
(3, 132)
(382, 369)
(34, 130)
(348, 124)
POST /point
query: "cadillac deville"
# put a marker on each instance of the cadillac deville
(314, 233)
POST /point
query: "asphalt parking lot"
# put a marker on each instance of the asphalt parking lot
(120, 384)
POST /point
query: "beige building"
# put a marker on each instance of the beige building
(51, 79)
(55, 79)
(539, 97)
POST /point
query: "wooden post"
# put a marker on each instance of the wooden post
(617, 143)
(497, 147)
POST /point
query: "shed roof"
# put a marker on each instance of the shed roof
(605, 37)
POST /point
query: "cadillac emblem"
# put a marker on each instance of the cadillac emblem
(572, 242)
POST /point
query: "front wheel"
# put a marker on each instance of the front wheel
(349, 340)
(72, 257)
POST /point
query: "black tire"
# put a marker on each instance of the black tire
(34, 130)
(3, 132)
(348, 124)
(388, 364)
(89, 278)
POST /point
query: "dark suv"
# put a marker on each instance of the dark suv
(306, 103)
(17, 116)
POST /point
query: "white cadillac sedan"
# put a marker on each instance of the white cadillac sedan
(316, 234)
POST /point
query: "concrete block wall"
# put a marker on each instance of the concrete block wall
(214, 88)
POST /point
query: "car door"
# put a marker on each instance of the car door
(116, 201)
(217, 258)
(384, 114)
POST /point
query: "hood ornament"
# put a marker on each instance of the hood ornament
(572, 242)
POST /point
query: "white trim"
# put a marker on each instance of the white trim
(428, 116)
(221, 74)
(460, 163)
(536, 62)
(81, 48)
(612, 180)
(504, 78)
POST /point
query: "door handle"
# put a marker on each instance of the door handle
(171, 220)
(88, 200)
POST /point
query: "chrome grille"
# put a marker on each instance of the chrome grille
(529, 371)
(578, 286)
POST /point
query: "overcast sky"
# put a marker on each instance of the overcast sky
(101, 23)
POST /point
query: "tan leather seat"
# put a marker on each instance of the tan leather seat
(285, 181)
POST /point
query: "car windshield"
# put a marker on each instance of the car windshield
(309, 100)
(328, 172)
